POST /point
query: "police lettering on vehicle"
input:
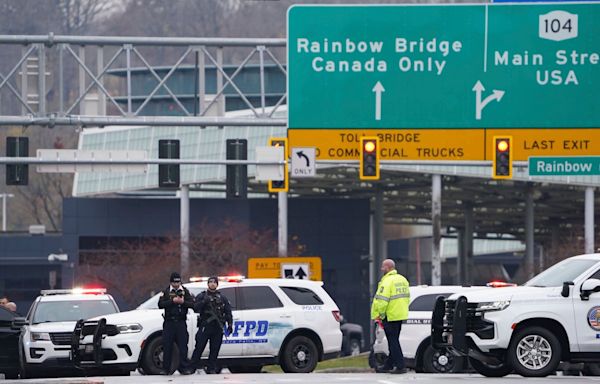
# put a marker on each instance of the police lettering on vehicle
(312, 307)
(256, 330)
(418, 321)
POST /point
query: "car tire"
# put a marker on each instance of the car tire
(354, 347)
(300, 355)
(245, 368)
(441, 361)
(591, 369)
(24, 371)
(152, 359)
(534, 352)
(488, 370)
(10, 375)
(377, 360)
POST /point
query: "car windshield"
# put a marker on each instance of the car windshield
(566, 270)
(152, 303)
(72, 310)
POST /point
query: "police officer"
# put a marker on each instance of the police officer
(176, 300)
(214, 313)
(390, 305)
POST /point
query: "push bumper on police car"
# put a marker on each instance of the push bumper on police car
(461, 327)
(88, 351)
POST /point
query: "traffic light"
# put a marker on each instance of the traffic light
(280, 185)
(17, 174)
(502, 165)
(237, 175)
(369, 158)
(168, 174)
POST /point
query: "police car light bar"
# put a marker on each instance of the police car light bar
(229, 279)
(500, 284)
(76, 291)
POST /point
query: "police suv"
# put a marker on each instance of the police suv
(293, 323)
(45, 341)
(530, 329)
(415, 338)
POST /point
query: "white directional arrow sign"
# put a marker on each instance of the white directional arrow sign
(303, 162)
(479, 104)
(378, 89)
(300, 271)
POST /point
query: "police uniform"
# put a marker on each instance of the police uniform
(175, 325)
(214, 314)
(390, 304)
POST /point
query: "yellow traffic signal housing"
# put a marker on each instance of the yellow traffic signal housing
(369, 158)
(502, 163)
(280, 185)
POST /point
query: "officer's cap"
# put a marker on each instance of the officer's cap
(175, 278)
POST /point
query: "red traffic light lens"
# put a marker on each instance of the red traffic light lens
(369, 146)
(502, 145)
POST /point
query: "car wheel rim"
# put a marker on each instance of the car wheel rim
(157, 357)
(301, 356)
(534, 352)
(442, 362)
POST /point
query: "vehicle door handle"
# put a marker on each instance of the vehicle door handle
(285, 316)
(234, 319)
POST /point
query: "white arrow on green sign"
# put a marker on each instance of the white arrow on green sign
(444, 66)
(564, 166)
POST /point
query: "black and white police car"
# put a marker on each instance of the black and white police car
(293, 323)
(45, 340)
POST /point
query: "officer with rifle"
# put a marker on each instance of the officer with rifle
(175, 300)
(214, 314)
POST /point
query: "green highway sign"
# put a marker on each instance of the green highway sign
(444, 66)
(564, 166)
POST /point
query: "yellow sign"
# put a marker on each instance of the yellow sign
(549, 142)
(448, 144)
(405, 144)
(270, 267)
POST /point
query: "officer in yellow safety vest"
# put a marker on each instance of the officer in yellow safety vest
(390, 305)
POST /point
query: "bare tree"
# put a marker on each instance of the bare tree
(137, 269)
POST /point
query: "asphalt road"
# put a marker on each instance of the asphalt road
(312, 378)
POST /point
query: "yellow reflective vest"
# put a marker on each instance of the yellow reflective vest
(392, 298)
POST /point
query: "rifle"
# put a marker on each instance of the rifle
(213, 313)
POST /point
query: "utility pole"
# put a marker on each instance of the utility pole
(4, 197)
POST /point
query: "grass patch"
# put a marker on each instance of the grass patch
(360, 361)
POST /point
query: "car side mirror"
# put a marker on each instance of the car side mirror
(18, 323)
(566, 288)
(588, 287)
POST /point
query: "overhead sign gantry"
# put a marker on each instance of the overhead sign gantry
(438, 82)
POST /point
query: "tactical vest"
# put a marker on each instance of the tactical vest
(213, 308)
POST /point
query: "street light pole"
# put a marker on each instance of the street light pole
(4, 197)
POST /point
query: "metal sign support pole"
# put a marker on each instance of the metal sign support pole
(589, 220)
(282, 244)
(185, 232)
(436, 223)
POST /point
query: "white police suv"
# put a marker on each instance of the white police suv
(293, 323)
(530, 329)
(415, 338)
(45, 341)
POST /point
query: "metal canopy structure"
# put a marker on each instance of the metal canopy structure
(498, 207)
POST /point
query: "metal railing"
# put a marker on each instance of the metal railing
(48, 80)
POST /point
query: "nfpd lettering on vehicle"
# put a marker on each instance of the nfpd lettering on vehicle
(256, 330)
